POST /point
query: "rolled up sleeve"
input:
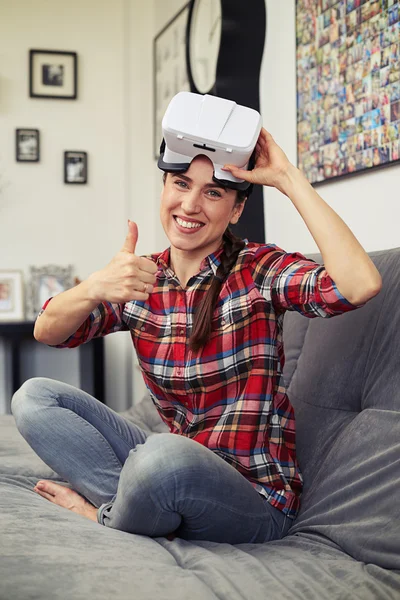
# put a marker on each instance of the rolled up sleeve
(104, 319)
(293, 282)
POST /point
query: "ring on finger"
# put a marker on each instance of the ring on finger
(145, 288)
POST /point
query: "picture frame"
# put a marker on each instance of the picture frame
(75, 167)
(46, 282)
(348, 87)
(12, 306)
(27, 145)
(170, 73)
(53, 74)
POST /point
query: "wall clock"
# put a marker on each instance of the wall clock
(224, 49)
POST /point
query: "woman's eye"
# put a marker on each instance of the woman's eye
(181, 183)
(215, 194)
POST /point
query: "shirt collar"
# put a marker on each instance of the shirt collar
(212, 261)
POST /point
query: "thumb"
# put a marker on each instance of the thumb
(131, 239)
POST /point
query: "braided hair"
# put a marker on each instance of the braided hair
(202, 320)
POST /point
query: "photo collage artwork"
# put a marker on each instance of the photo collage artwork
(348, 86)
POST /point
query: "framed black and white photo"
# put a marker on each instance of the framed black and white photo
(75, 166)
(169, 68)
(46, 282)
(53, 74)
(27, 145)
(11, 296)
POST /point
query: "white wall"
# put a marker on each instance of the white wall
(368, 203)
(42, 220)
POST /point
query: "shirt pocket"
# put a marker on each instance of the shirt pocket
(231, 312)
(145, 324)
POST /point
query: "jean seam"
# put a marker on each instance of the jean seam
(58, 399)
(97, 432)
(229, 509)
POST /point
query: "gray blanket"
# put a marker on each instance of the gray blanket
(48, 552)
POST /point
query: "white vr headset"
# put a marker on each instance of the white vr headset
(224, 131)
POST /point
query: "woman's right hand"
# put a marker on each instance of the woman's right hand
(127, 277)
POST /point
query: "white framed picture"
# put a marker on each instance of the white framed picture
(11, 296)
(46, 282)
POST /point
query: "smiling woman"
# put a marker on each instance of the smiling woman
(206, 319)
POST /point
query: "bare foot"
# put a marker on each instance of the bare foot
(63, 496)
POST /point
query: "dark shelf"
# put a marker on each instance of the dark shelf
(91, 357)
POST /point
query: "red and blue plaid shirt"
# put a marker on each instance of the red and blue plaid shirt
(229, 396)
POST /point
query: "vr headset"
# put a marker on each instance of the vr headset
(224, 131)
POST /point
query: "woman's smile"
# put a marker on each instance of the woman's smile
(186, 225)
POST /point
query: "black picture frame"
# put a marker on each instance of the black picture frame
(170, 74)
(344, 57)
(27, 145)
(53, 74)
(75, 167)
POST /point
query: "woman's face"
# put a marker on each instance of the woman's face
(195, 210)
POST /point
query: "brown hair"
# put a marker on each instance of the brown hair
(202, 319)
(232, 245)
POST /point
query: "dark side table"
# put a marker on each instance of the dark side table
(91, 357)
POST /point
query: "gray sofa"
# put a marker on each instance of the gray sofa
(344, 376)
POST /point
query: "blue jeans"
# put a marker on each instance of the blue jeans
(153, 485)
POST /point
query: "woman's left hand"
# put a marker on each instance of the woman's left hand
(271, 164)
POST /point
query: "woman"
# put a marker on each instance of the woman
(206, 320)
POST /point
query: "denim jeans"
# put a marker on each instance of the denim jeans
(153, 485)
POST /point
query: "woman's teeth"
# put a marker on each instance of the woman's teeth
(187, 224)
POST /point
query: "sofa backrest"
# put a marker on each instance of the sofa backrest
(337, 367)
(344, 383)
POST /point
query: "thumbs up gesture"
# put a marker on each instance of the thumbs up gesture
(127, 277)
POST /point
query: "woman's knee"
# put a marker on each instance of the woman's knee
(27, 398)
(163, 457)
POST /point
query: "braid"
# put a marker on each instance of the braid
(203, 316)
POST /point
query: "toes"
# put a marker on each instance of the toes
(46, 486)
(44, 494)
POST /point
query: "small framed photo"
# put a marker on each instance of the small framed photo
(53, 74)
(75, 166)
(11, 296)
(27, 145)
(46, 282)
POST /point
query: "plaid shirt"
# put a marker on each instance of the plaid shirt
(230, 396)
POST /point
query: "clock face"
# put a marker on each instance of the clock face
(204, 43)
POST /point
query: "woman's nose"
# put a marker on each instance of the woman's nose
(191, 202)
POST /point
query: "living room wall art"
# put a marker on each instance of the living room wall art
(75, 166)
(53, 74)
(348, 86)
(45, 282)
(169, 68)
(27, 145)
(11, 296)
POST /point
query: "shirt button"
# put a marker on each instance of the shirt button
(223, 321)
(181, 332)
(143, 328)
